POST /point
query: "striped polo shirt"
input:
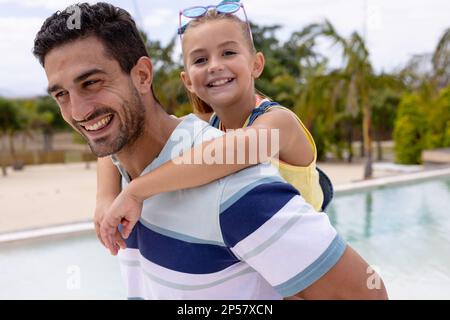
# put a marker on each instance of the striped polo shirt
(249, 235)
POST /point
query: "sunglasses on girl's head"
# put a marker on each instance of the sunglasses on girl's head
(200, 11)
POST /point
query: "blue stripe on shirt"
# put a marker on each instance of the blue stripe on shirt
(253, 209)
(194, 258)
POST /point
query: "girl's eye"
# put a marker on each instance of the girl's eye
(229, 53)
(199, 60)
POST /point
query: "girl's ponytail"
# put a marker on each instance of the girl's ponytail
(198, 105)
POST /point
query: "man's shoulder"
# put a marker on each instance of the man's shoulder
(197, 130)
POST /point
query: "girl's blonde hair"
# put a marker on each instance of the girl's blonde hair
(198, 104)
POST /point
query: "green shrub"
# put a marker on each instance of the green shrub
(439, 121)
(409, 130)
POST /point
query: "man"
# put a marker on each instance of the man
(247, 236)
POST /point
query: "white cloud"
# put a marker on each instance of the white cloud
(396, 29)
(47, 4)
(21, 73)
(159, 17)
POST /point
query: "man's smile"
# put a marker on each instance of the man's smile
(97, 124)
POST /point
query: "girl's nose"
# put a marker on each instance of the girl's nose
(215, 66)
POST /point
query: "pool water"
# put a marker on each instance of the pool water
(76, 267)
(404, 231)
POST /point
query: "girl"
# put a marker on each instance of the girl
(221, 65)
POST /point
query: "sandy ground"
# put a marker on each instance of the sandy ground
(48, 195)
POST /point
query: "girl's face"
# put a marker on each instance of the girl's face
(219, 65)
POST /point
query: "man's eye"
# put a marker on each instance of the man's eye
(199, 60)
(90, 82)
(60, 94)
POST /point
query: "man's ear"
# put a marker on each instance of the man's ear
(186, 80)
(142, 75)
(258, 65)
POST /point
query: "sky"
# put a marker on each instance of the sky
(395, 29)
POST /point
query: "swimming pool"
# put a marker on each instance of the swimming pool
(72, 267)
(404, 231)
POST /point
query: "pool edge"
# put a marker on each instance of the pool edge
(53, 231)
(401, 179)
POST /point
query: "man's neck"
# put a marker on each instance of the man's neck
(157, 130)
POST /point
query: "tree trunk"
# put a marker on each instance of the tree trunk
(16, 164)
(48, 141)
(379, 147)
(2, 160)
(361, 148)
(24, 142)
(12, 149)
(367, 120)
(350, 144)
(3, 146)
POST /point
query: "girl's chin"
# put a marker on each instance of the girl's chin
(221, 103)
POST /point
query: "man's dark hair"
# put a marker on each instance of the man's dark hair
(113, 26)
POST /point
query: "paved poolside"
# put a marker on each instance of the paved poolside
(49, 195)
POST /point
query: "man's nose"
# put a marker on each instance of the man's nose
(80, 106)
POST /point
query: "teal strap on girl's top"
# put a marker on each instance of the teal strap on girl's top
(262, 108)
(215, 121)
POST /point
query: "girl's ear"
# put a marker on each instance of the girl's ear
(186, 80)
(258, 65)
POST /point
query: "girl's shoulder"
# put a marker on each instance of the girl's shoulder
(294, 136)
(279, 115)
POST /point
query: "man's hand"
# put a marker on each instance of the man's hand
(126, 210)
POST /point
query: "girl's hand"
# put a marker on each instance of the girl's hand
(101, 207)
(126, 210)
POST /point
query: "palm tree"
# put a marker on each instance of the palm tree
(360, 72)
(430, 70)
(352, 81)
(441, 61)
(385, 96)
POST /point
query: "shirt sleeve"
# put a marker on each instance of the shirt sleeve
(266, 223)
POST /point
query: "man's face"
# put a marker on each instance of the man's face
(95, 97)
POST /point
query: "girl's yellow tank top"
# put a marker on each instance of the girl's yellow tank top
(304, 179)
